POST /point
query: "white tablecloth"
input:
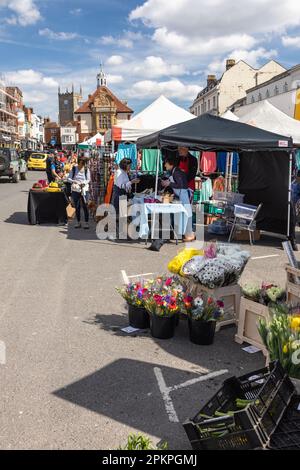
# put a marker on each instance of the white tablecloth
(180, 213)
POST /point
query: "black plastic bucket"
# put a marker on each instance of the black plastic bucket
(138, 317)
(202, 332)
(162, 327)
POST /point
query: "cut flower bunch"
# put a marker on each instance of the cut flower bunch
(204, 308)
(267, 294)
(281, 336)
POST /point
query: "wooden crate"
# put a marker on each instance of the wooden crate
(293, 284)
(250, 313)
(230, 295)
(243, 235)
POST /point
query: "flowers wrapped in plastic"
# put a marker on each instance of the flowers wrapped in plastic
(220, 266)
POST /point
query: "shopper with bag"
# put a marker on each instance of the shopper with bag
(80, 178)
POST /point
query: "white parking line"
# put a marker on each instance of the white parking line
(264, 257)
(165, 391)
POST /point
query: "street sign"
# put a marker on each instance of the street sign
(53, 141)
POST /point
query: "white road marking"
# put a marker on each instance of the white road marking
(202, 378)
(165, 391)
(126, 278)
(264, 257)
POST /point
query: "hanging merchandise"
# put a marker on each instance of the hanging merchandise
(297, 157)
(109, 190)
(206, 191)
(221, 162)
(149, 159)
(127, 151)
(219, 184)
(208, 162)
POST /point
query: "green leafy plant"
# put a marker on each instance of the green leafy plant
(140, 442)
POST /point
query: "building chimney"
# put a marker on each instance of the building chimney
(230, 63)
(211, 80)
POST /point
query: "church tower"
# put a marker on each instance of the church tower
(68, 103)
(101, 78)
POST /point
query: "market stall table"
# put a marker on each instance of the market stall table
(47, 207)
(177, 210)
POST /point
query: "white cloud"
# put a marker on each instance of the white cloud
(30, 77)
(115, 60)
(76, 11)
(154, 67)
(289, 41)
(127, 40)
(26, 12)
(218, 17)
(172, 88)
(110, 40)
(253, 58)
(113, 79)
(57, 36)
(198, 45)
(35, 97)
(206, 27)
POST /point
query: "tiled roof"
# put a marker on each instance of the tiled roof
(86, 107)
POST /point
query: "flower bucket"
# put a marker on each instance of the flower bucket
(162, 327)
(202, 332)
(138, 317)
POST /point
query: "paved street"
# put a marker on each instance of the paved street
(71, 378)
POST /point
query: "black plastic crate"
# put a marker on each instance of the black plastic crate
(270, 389)
(287, 434)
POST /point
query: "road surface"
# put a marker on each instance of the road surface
(72, 379)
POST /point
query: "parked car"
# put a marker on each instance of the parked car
(37, 161)
(12, 166)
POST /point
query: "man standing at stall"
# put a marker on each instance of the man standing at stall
(189, 164)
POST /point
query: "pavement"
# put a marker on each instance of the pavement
(72, 379)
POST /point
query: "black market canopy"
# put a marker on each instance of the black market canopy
(210, 132)
(264, 168)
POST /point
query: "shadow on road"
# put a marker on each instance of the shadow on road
(127, 391)
(19, 218)
(114, 323)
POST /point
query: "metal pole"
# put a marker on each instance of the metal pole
(289, 196)
(156, 191)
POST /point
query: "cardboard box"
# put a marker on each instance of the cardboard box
(243, 235)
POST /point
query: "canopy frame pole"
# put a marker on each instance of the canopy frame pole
(156, 192)
(289, 196)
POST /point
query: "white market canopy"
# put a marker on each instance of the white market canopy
(266, 116)
(158, 115)
(92, 141)
(230, 115)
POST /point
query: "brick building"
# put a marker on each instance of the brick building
(101, 111)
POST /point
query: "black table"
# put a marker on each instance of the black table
(46, 207)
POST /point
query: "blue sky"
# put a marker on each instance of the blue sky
(148, 47)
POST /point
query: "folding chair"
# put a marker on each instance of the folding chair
(245, 219)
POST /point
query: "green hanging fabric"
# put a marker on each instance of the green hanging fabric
(149, 157)
(298, 159)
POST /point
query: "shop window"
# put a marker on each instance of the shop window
(285, 88)
(267, 94)
(252, 99)
(259, 97)
(276, 90)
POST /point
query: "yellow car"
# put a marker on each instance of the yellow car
(37, 161)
